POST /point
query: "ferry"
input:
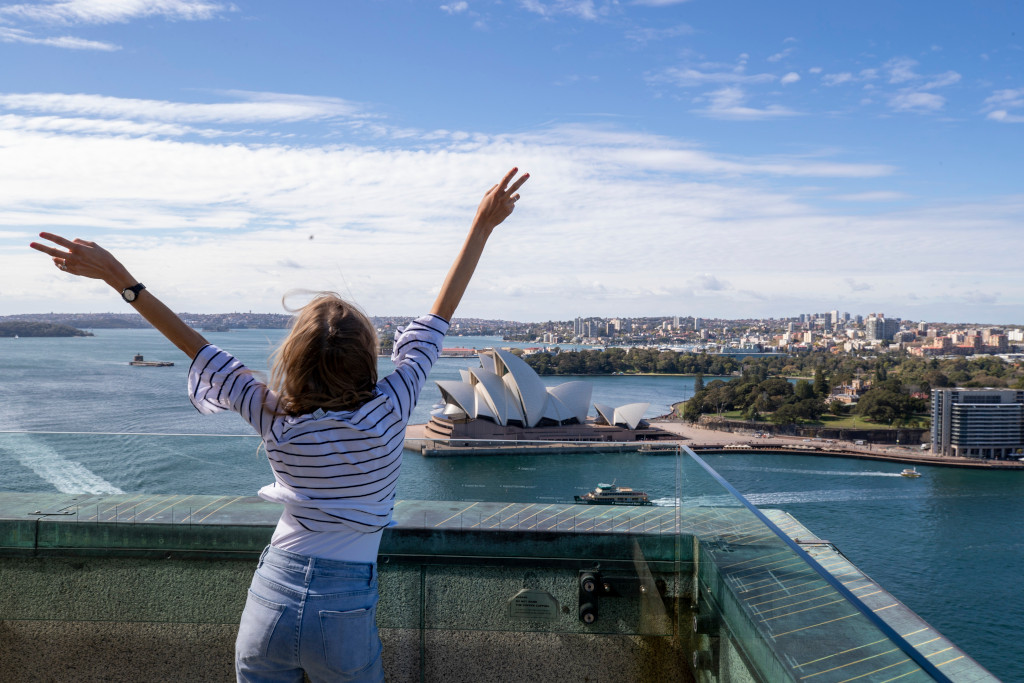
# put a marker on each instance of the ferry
(910, 472)
(610, 494)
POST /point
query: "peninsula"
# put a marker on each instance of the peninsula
(28, 328)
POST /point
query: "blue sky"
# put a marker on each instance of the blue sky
(687, 158)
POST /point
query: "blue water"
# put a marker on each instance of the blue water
(949, 544)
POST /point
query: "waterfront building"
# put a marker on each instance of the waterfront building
(978, 423)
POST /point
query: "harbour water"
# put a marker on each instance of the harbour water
(77, 418)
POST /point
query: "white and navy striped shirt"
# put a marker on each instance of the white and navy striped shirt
(336, 471)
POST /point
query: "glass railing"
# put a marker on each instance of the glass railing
(491, 550)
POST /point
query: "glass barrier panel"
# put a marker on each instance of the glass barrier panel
(763, 605)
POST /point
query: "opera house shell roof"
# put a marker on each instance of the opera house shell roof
(506, 390)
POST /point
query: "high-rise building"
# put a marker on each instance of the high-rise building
(879, 328)
(978, 423)
(697, 324)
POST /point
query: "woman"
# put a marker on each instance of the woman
(333, 434)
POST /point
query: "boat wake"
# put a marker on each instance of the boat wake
(65, 475)
(821, 496)
(793, 470)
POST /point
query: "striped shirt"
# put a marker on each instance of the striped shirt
(333, 471)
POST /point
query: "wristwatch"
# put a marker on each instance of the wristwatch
(130, 294)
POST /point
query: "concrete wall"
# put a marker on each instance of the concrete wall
(175, 619)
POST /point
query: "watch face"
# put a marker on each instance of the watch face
(129, 295)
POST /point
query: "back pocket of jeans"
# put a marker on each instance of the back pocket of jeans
(350, 639)
(256, 630)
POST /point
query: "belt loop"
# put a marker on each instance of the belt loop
(311, 562)
(263, 556)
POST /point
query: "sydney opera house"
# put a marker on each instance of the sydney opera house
(504, 398)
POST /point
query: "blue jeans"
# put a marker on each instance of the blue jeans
(306, 614)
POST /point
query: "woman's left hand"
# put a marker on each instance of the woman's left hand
(499, 201)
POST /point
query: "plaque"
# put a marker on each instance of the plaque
(533, 605)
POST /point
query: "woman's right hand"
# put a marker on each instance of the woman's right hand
(85, 259)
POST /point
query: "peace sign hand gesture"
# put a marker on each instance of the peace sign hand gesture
(499, 201)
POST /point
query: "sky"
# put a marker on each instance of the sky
(697, 157)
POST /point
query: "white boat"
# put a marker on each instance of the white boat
(610, 494)
(910, 472)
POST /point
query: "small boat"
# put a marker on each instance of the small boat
(610, 494)
(139, 361)
(910, 472)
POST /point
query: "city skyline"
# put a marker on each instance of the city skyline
(732, 162)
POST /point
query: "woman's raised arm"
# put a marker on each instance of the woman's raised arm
(88, 259)
(495, 207)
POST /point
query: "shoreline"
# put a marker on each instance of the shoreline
(704, 440)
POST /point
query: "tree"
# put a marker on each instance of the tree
(803, 390)
(785, 415)
(698, 382)
(821, 386)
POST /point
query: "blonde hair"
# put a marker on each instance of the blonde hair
(328, 360)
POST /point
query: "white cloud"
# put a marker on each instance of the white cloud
(837, 79)
(1006, 98)
(111, 11)
(901, 70)
(791, 77)
(1004, 116)
(584, 9)
(255, 108)
(914, 95)
(999, 104)
(941, 81)
(14, 35)
(387, 219)
(647, 35)
(779, 56)
(455, 7)
(815, 70)
(917, 101)
(708, 283)
(110, 127)
(78, 12)
(879, 196)
(686, 77)
(730, 103)
(659, 3)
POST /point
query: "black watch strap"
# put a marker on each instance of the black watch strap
(130, 294)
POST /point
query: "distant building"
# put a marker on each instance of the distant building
(978, 423)
(879, 328)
